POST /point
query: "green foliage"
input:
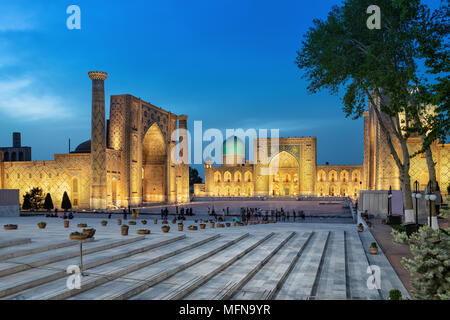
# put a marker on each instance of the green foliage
(341, 53)
(26, 205)
(32, 200)
(398, 227)
(194, 178)
(395, 294)
(48, 203)
(373, 245)
(431, 251)
(65, 203)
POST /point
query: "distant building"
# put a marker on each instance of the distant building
(16, 152)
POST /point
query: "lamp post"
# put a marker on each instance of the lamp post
(416, 194)
(390, 201)
(430, 197)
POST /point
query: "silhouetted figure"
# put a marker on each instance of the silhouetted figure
(109, 215)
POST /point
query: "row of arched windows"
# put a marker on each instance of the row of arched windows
(286, 178)
(228, 177)
(334, 177)
(334, 192)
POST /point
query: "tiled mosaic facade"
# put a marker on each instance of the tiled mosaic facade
(380, 169)
(300, 175)
(128, 162)
(289, 172)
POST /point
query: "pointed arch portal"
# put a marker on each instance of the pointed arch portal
(154, 163)
(282, 168)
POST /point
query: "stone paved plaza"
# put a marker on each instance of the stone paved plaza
(271, 261)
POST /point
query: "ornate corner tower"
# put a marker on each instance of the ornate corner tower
(98, 140)
(182, 175)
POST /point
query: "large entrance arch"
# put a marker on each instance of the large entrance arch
(154, 164)
(284, 172)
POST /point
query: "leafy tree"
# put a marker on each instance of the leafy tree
(381, 66)
(66, 204)
(26, 205)
(194, 177)
(48, 203)
(32, 200)
(431, 261)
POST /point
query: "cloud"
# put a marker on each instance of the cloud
(13, 18)
(18, 100)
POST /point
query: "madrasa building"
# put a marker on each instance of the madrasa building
(128, 162)
(293, 171)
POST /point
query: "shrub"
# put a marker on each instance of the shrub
(26, 202)
(48, 203)
(32, 199)
(431, 256)
(373, 245)
(395, 294)
(66, 204)
(398, 227)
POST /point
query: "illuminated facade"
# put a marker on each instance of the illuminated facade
(299, 175)
(290, 172)
(126, 162)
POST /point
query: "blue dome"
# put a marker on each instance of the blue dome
(233, 146)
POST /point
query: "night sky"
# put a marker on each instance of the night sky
(227, 63)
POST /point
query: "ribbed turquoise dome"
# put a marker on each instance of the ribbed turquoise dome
(233, 146)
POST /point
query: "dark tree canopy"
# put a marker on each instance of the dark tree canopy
(48, 203)
(407, 59)
(32, 200)
(194, 178)
(66, 204)
(26, 202)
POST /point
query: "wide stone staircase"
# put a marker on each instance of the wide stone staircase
(239, 263)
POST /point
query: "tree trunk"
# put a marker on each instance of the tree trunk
(432, 177)
(403, 167)
(405, 181)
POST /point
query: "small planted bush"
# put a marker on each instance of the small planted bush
(395, 294)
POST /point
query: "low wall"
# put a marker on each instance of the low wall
(9, 203)
(376, 203)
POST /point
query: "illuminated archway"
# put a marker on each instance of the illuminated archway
(114, 191)
(344, 176)
(321, 176)
(248, 176)
(282, 168)
(75, 192)
(227, 176)
(332, 176)
(355, 176)
(154, 158)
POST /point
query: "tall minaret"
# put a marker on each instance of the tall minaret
(98, 140)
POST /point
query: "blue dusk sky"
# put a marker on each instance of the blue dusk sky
(228, 63)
